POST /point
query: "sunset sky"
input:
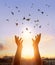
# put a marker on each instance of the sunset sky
(27, 18)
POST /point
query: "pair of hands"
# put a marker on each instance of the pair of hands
(35, 41)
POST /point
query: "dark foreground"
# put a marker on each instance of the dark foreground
(8, 61)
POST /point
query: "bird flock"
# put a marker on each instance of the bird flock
(28, 19)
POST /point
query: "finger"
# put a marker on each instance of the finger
(35, 36)
(22, 41)
(15, 36)
(18, 37)
(40, 34)
(32, 39)
(16, 40)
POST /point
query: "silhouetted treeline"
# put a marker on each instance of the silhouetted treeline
(8, 61)
(48, 61)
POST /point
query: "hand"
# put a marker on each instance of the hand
(18, 41)
(37, 40)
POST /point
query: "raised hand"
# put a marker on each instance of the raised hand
(17, 58)
(18, 41)
(36, 50)
(36, 40)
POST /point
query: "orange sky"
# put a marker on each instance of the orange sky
(46, 46)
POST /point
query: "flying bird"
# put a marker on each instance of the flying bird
(47, 5)
(34, 26)
(29, 14)
(46, 15)
(22, 23)
(26, 28)
(12, 13)
(16, 24)
(18, 10)
(22, 31)
(16, 7)
(42, 12)
(38, 9)
(28, 19)
(30, 32)
(36, 21)
(9, 7)
(40, 26)
(37, 24)
(48, 24)
(7, 20)
(23, 18)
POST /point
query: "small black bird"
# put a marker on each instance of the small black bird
(12, 13)
(26, 28)
(28, 19)
(42, 12)
(23, 18)
(16, 24)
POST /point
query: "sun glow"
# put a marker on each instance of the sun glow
(27, 50)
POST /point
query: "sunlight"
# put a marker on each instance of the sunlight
(27, 51)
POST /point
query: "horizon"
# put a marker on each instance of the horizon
(27, 58)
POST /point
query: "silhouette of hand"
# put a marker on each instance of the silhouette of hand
(36, 40)
(18, 41)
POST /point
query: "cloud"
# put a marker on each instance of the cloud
(47, 38)
(2, 47)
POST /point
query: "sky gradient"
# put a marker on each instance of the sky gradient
(41, 15)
